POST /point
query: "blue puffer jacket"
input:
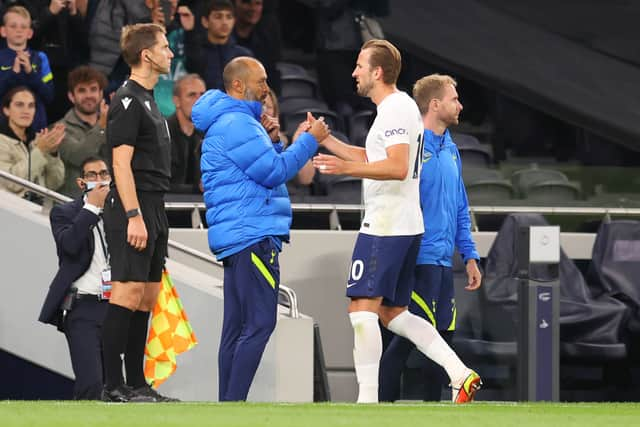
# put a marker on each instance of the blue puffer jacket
(244, 173)
(445, 208)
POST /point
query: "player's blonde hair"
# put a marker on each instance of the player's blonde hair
(430, 87)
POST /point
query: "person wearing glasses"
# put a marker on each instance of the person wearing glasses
(76, 300)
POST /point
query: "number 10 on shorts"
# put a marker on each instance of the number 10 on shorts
(357, 270)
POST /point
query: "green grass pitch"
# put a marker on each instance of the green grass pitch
(67, 414)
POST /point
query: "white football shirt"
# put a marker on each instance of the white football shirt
(392, 207)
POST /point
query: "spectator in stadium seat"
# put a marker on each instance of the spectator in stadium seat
(445, 211)
(209, 57)
(109, 18)
(185, 138)
(28, 155)
(85, 124)
(260, 33)
(163, 92)
(75, 302)
(248, 211)
(62, 35)
(22, 66)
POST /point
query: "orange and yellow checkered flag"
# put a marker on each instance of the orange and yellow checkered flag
(170, 334)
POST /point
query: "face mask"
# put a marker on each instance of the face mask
(90, 185)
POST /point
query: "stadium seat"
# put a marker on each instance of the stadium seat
(489, 191)
(359, 124)
(289, 69)
(550, 185)
(464, 139)
(557, 192)
(486, 185)
(524, 178)
(344, 190)
(615, 267)
(592, 324)
(476, 156)
(298, 87)
(472, 152)
(290, 105)
(615, 200)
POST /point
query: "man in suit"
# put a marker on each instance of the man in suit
(75, 302)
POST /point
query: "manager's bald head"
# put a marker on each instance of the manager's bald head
(245, 78)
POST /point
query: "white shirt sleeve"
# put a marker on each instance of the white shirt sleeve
(396, 122)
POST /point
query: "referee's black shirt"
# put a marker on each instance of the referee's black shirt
(134, 119)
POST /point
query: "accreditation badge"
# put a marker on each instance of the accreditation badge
(105, 289)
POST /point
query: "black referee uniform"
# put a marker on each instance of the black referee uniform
(134, 119)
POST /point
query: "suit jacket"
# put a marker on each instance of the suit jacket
(72, 229)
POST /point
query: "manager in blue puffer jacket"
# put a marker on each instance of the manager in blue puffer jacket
(244, 172)
(447, 225)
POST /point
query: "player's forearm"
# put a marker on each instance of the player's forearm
(306, 174)
(345, 151)
(384, 170)
(125, 184)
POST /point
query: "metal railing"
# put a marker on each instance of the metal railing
(285, 291)
(334, 210)
(52, 196)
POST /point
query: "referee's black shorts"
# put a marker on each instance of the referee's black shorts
(127, 263)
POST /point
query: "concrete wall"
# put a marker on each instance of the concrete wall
(28, 262)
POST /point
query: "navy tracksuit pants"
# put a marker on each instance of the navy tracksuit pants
(433, 300)
(251, 282)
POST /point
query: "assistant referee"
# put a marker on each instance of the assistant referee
(135, 222)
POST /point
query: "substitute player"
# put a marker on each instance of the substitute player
(447, 223)
(136, 225)
(384, 257)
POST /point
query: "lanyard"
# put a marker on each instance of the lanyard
(104, 246)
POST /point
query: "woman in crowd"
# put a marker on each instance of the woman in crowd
(30, 156)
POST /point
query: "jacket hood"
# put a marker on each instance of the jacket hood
(214, 103)
(433, 142)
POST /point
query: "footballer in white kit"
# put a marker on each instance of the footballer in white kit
(384, 257)
(381, 276)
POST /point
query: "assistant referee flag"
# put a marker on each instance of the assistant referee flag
(170, 334)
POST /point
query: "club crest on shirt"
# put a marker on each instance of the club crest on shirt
(426, 157)
(148, 105)
(454, 157)
(126, 101)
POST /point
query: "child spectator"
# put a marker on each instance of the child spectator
(21, 66)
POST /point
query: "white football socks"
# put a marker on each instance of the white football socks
(430, 343)
(367, 351)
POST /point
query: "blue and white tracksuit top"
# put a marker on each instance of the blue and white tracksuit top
(244, 173)
(445, 209)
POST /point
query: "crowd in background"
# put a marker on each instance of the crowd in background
(60, 63)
